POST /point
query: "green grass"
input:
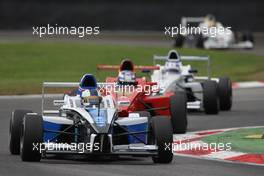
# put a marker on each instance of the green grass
(25, 65)
(238, 140)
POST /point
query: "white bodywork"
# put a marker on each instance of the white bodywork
(74, 104)
(224, 37)
(170, 80)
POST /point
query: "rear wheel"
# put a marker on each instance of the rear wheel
(247, 36)
(15, 130)
(178, 111)
(210, 97)
(32, 135)
(163, 138)
(225, 94)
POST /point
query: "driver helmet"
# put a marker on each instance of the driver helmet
(126, 77)
(210, 20)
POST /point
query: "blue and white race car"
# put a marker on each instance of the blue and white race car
(87, 123)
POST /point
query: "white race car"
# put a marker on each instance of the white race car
(88, 124)
(203, 93)
(206, 32)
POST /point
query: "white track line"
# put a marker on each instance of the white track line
(215, 159)
(249, 84)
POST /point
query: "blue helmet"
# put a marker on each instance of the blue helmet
(88, 82)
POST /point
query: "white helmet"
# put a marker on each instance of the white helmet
(88, 99)
(126, 77)
(85, 97)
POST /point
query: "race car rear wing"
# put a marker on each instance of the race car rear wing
(183, 58)
(117, 67)
(187, 58)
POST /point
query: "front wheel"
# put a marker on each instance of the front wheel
(163, 138)
(15, 130)
(32, 136)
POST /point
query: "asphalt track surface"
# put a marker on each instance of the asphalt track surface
(128, 38)
(248, 110)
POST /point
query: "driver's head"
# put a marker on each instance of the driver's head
(126, 77)
(210, 20)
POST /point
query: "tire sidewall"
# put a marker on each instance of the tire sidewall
(32, 134)
(225, 93)
(15, 127)
(178, 111)
(163, 136)
(210, 97)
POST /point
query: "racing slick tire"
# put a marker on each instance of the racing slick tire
(178, 111)
(15, 130)
(210, 97)
(225, 94)
(247, 36)
(179, 41)
(31, 135)
(163, 138)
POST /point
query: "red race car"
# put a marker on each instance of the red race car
(133, 94)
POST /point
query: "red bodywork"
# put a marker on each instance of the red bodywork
(137, 100)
